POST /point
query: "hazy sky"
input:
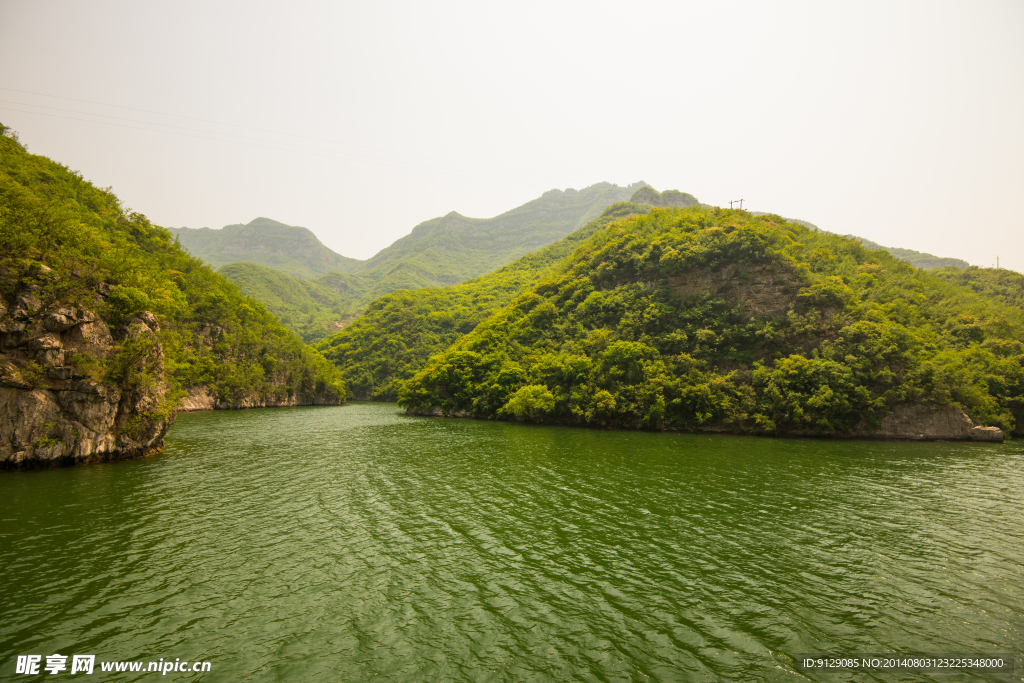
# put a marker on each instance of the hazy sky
(902, 122)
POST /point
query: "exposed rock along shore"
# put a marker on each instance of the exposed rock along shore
(57, 409)
(200, 398)
(903, 423)
(929, 423)
(52, 411)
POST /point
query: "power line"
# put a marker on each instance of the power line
(300, 149)
(193, 130)
(235, 125)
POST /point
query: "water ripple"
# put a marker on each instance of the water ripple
(355, 543)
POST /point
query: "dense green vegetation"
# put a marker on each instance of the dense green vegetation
(702, 318)
(312, 308)
(289, 249)
(659, 200)
(454, 248)
(918, 259)
(1005, 285)
(438, 252)
(73, 243)
(396, 335)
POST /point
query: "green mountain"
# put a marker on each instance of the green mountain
(659, 200)
(107, 326)
(396, 335)
(289, 249)
(453, 248)
(399, 332)
(997, 283)
(439, 252)
(313, 309)
(707, 319)
(915, 258)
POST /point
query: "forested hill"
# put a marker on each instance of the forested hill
(314, 309)
(453, 248)
(106, 325)
(998, 283)
(439, 252)
(712, 319)
(396, 335)
(918, 259)
(289, 249)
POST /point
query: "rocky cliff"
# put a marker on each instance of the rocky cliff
(929, 423)
(106, 322)
(202, 398)
(75, 388)
(57, 406)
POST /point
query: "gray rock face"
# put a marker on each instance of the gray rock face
(930, 423)
(200, 398)
(51, 411)
(987, 434)
(437, 411)
(759, 289)
(904, 423)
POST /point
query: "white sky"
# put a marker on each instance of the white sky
(902, 122)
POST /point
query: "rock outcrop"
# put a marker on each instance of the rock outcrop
(58, 403)
(437, 411)
(200, 398)
(929, 423)
(759, 289)
(904, 423)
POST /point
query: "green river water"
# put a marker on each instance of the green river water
(355, 543)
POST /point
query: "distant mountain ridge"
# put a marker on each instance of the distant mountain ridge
(453, 248)
(293, 250)
(441, 251)
(317, 292)
(265, 257)
(918, 259)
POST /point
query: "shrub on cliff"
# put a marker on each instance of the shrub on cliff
(64, 241)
